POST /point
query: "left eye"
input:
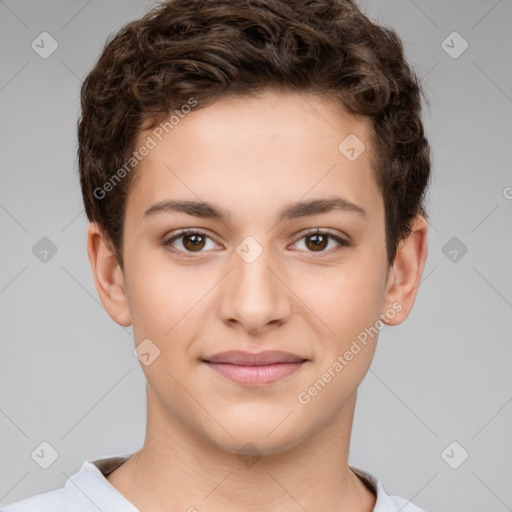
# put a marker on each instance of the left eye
(318, 241)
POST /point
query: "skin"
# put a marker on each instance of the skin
(252, 156)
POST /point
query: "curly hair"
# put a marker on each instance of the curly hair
(210, 49)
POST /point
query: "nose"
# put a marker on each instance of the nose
(255, 297)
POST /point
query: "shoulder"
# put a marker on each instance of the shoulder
(395, 503)
(86, 491)
(51, 501)
(384, 502)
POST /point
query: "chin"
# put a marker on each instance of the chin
(248, 445)
(255, 438)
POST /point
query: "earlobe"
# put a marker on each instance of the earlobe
(108, 276)
(405, 275)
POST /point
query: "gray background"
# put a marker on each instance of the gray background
(67, 372)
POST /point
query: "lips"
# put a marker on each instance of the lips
(254, 359)
(255, 368)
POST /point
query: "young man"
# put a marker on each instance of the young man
(254, 174)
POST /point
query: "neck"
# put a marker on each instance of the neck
(181, 469)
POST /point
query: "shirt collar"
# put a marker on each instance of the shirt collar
(91, 481)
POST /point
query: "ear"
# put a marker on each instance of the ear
(108, 276)
(405, 274)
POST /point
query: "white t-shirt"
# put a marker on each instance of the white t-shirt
(89, 491)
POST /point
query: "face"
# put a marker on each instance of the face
(258, 312)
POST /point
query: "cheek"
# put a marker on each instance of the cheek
(168, 302)
(158, 295)
(345, 300)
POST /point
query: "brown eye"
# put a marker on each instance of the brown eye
(193, 242)
(189, 241)
(318, 242)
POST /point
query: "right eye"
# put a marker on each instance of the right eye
(191, 241)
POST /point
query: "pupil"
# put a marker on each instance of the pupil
(195, 240)
(322, 243)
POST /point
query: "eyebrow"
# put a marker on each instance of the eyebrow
(291, 211)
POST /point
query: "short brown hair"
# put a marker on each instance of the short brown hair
(209, 49)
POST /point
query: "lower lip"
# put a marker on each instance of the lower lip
(255, 375)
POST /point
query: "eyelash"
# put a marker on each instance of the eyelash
(341, 241)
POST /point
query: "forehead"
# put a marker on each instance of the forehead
(251, 152)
